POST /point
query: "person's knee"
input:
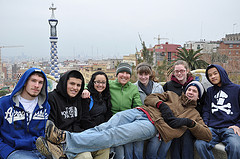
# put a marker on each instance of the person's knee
(199, 144)
(84, 155)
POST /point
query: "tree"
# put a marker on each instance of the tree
(192, 58)
(161, 70)
(147, 55)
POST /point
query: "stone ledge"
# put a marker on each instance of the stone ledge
(218, 152)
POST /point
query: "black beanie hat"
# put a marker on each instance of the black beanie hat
(124, 67)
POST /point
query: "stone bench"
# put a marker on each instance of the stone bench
(218, 152)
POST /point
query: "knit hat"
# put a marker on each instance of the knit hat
(124, 67)
(199, 87)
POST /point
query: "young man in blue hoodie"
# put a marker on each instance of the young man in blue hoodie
(23, 116)
(221, 113)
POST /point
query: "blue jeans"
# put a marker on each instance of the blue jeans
(134, 150)
(224, 135)
(119, 152)
(24, 154)
(183, 147)
(157, 149)
(124, 127)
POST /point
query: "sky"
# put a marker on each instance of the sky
(101, 29)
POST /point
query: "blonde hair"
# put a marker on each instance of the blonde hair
(181, 62)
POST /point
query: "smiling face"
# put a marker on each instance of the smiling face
(143, 78)
(123, 78)
(180, 73)
(32, 87)
(214, 76)
(73, 86)
(192, 93)
(100, 83)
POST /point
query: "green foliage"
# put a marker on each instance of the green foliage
(3, 92)
(161, 70)
(147, 55)
(191, 57)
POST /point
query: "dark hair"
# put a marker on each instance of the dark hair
(95, 94)
(40, 74)
(75, 74)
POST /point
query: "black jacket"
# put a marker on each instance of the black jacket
(101, 111)
(67, 113)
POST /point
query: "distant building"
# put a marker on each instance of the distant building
(206, 46)
(88, 70)
(165, 51)
(230, 48)
(131, 59)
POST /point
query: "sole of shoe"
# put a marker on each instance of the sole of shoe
(42, 147)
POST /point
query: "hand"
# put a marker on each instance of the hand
(85, 94)
(236, 129)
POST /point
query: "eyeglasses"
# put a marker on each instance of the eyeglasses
(99, 82)
(179, 71)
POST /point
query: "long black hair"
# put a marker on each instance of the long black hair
(105, 95)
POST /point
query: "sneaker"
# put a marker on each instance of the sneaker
(49, 150)
(53, 134)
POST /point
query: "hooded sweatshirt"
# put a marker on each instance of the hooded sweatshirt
(68, 113)
(222, 107)
(16, 132)
(175, 86)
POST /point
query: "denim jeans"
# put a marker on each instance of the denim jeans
(124, 127)
(157, 149)
(134, 150)
(24, 154)
(119, 152)
(183, 147)
(224, 135)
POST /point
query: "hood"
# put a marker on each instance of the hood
(43, 96)
(223, 74)
(61, 87)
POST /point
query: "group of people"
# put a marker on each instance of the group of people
(118, 118)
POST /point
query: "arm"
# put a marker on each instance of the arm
(136, 98)
(85, 121)
(5, 149)
(201, 131)
(206, 108)
(109, 111)
(53, 112)
(154, 98)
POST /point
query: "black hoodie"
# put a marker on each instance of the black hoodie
(67, 113)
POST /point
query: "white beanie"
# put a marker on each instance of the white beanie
(199, 87)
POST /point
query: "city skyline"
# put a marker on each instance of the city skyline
(108, 29)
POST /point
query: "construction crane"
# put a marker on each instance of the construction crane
(1, 72)
(158, 38)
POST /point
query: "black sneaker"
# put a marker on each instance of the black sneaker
(53, 134)
(49, 150)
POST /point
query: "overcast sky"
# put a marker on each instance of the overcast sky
(110, 28)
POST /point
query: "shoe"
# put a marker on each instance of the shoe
(53, 134)
(49, 150)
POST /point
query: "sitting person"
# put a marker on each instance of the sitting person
(69, 111)
(121, 128)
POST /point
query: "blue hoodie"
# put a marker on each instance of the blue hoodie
(222, 107)
(15, 133)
